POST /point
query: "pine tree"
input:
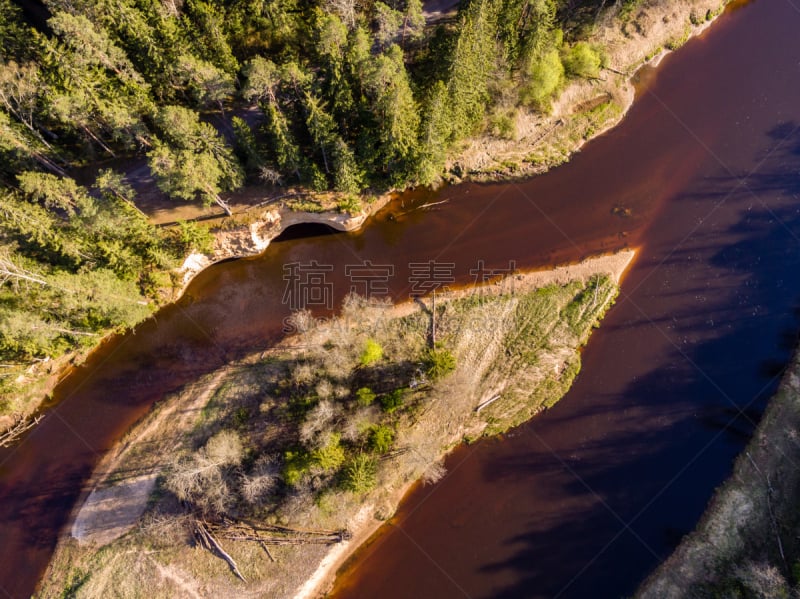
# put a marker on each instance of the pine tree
(396, 113)
(472, 65)
(206, 25)
(436, 133)
(321, 127)
(14, 34)
(347, 175)
(284, 146)
(207, 84)
(262, 85)
(188, 175)
(20, 148)
(246, 146)
(194, 162)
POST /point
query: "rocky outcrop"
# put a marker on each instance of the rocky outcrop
(253, 230)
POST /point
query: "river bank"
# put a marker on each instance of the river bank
(433, 420)
(628, 37)
(746, 543)
(648, 164)
(242, 235)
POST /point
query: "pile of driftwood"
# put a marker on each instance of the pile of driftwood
(208, 535)
(13, 432)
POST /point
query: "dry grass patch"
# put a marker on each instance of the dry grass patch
(339, 418)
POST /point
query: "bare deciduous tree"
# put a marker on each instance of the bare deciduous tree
(346, 9)
(318, 420)
(255, 486)
(202, 478)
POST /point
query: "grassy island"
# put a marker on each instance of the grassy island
(247, 479)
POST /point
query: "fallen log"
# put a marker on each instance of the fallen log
(14, 432)
(487, 403)
(210, 542)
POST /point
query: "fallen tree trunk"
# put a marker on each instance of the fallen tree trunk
(14, 432)
(210, 543)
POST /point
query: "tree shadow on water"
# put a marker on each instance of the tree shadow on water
(629, 490)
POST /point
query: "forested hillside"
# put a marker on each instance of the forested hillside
(342, 95)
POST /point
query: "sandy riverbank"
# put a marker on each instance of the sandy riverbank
(362, 526)
(114, 501)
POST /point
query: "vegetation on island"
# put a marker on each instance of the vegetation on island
(329, 95)
(287, 446)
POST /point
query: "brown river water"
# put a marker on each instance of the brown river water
(584, 500)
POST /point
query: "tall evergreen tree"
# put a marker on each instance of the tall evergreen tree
(472, 65)
(396, 114)
(193, 161)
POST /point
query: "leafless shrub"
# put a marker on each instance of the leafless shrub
(346, 9)
(202, 478)
(255, 487)
(270, 175)
(302, 321)
(762, 580)
(318, 420)
(338, 363)
(163, 530)
(324, 389)
(298, 507)
(434, 473)
(303, 373)
(353, 427)
(173, 7)
(367, 314)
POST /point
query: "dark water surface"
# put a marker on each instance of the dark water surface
(706, 320)
(585, 500)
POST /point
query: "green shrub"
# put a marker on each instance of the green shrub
(300, 405)
(503, 125)
(360, 475)
(314, 177)
(151, 282)
(381, 439)
(193, 236)
(241, 417)
(349, 204)
(439, 362)
(626, 9)
(296, 464)
(372, 352)
(393, 400)
(330, 456)
(581, 60)
(545, 74)
(365, 396)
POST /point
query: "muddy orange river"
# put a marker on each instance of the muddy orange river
(587, 498)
